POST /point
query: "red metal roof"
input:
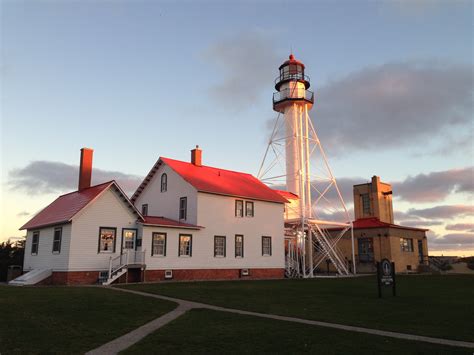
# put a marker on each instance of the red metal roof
(291, 60)
(374, 222)
(216, 181)
(167, 222)
(65, 207)
(288, 195)
(223, 182)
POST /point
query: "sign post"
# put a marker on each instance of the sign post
(386, 276)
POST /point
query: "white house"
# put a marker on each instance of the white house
(186, 221)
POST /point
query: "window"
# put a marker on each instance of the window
(219, 246)
(129, 237)
(185, 245)
(239, 246)
(183, 204)
(239, 208)
(248, 209)
(164, 182)
(365, 203)
(58, 235)
(107, 239)
(145, 209)
(158, 244)
(406, 244)
(266, 246)
(366, 250)
(35, 243)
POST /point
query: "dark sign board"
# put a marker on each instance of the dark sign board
(386, 275)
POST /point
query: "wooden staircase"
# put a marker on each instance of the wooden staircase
(119, 265)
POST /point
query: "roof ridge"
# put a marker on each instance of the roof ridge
(87, 188)
(210, 167)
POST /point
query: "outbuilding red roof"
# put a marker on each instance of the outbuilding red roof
(216, 181)
(167, 222)
(286, 194)
(65, 207)
(374, 222)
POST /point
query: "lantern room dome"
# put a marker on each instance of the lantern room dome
(291, 70)
(291, 60)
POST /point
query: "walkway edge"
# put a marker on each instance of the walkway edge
(127, 340)
(385, 333)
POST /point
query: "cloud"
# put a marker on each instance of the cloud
(460, 227)
(23, 214)
(435, 186)
(42, 177)
(393, 105)
(420, 223)
(246, 63)
(443, 212)
(452, 240)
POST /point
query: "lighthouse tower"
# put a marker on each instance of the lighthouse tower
(294, 100)
(293, 151)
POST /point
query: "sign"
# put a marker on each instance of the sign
(386, 276)
(386, 267)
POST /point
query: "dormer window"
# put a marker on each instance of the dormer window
(145, 209)
(183, 206)
(248, 209)
(164, 182)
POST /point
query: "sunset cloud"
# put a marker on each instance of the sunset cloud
(435, 186)
(453, 241)
(392, 105)
(42, 177)
(460, 227)
(442, 212)
(247, 63)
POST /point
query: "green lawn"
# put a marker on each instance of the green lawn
(438, 306)
(209, 332)
(69, 319)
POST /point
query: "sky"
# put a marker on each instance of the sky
(136, 80)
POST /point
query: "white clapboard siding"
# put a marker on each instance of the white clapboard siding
(46, 259)
(216, 213)
(108, 210)
(166, 204)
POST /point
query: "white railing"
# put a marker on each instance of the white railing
(129, 257)
(136, 257)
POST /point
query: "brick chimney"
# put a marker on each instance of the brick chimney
(85, 168)
(196, 156)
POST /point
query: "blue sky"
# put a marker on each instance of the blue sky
(136, 80)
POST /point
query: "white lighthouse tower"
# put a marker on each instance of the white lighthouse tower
(295, 159)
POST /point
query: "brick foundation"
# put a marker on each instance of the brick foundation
(91, 277)
(214, 274)
(74, 278)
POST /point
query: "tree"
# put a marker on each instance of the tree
(11, 253)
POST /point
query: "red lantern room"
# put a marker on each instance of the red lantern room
(292, 69)
(291, 85)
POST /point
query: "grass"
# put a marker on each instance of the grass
(69, 319)
(210, 332)
(438, 306)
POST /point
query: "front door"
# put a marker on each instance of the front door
(129, 239)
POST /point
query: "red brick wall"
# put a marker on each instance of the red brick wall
(214, 274)
(91, 277)
(75, 278)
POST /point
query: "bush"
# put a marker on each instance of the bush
(11, 253)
